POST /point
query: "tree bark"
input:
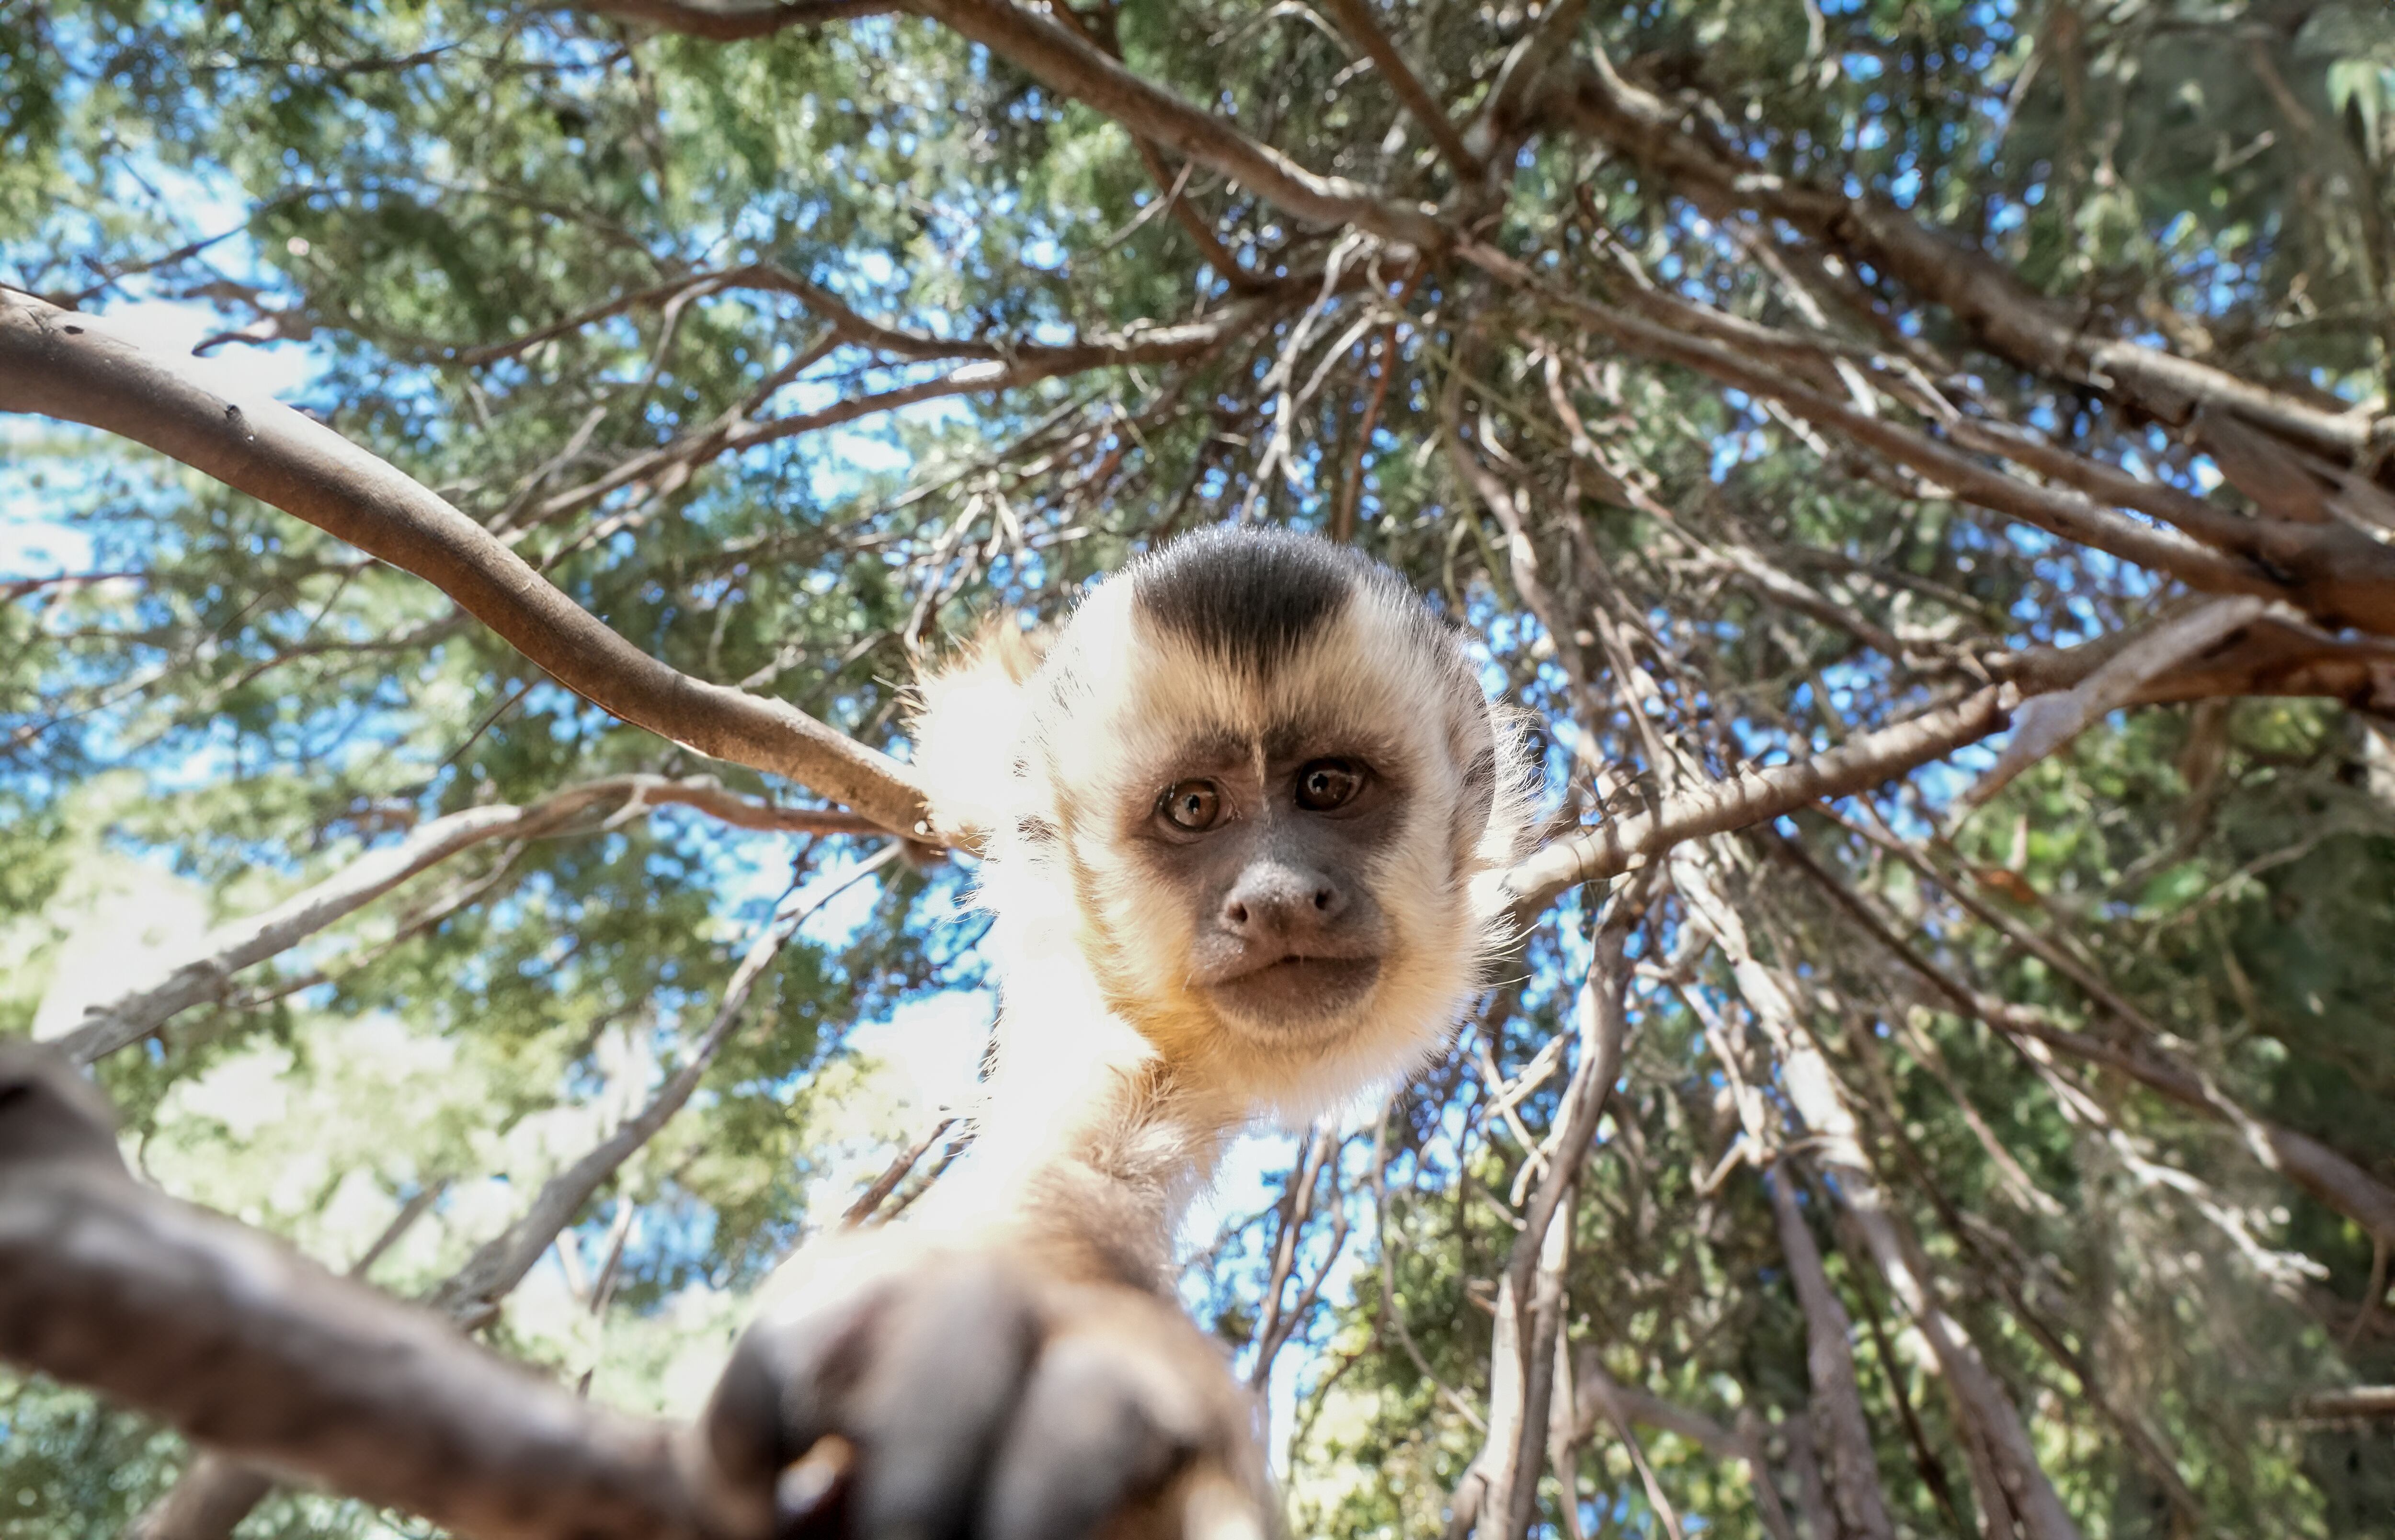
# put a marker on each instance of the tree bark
(59, 364)
(2010, 1461)
(239, 1342)
(1829, 1358)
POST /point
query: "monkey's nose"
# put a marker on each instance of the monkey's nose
(1281, 904)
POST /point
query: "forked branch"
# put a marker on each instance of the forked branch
(57, 364)
(2003, 313)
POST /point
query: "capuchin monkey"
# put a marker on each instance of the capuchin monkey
(1242, 831)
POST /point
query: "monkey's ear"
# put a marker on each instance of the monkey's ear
(1517, 786)
(967, 719)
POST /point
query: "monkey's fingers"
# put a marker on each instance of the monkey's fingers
(947, 1375)
(1085, 1443)
(778, 1395)
(874, 1410)
(1208, 1503)
(960, 1395)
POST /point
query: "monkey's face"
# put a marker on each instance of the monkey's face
(1272, 850)
(1268, 773)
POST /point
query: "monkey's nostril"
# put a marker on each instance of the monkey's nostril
(1236, 914)
(1323, 897)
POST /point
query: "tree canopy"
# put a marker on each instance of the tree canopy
(1929, 466)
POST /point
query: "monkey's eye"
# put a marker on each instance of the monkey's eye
(1329, 784)
(1193, 806)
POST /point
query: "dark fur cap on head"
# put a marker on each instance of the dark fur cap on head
(1054, 757)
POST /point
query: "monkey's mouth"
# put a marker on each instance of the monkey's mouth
(1293, 989)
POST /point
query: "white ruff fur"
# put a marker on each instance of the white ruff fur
(1114, 1085)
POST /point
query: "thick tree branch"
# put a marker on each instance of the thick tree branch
(1355, 18)
(1829, 1361)
(214, 1494)
(1066, 63)
(237, 1341)
(1751, 797)
(56, 364)
(225, 951)
(2353, 1402)
(2008, 1474)
(2246, 555)
(2334, 572)
(2002, 312)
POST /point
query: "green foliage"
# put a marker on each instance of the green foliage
(483, 237)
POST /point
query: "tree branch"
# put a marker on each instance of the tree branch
(2351, 1402)
(57, 364)
(225, 951)
(1502, 1482)
(1751, 797)
(2009, 1474)
(216, 1494)
(1599, 1394)
(994, 369)
(2338, 1181)
(235, 1340)
(1066, 63)
(2325, 584)
(1829, 1361)
(1355, 18)
(2004, 314)
(470, 1294)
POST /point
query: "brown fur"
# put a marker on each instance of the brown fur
(1106, 1062)
(1116, 1084)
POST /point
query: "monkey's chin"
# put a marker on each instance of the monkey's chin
(1295, 993)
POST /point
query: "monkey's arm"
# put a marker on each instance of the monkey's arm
(1011, 1366)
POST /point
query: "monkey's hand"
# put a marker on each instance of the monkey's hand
(941, 1390)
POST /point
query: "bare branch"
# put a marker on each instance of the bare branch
(1279, 1323)
(2353, 1402)
(669, 465)
(1598, 1394)
(221, 1493)
(1543, 46)
(2005, 1466)
(2047, 722)
(2338, 571)
(1751, 797)
(472, 1293)
(870, 1201)
(1497, 1497)
(1393, 1312)
(56, 364)
(2325, 584)
(208, 1502)
(227, 950)
(237, 1341)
